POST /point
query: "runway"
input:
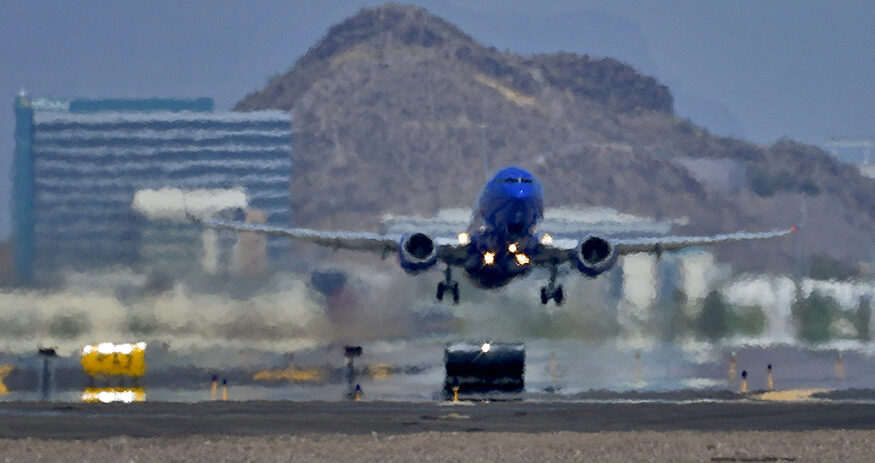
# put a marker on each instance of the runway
(83, 421)
(413, 371)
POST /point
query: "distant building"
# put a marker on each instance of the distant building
(78, 164)
(169, 244)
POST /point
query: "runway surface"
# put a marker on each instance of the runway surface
(83, 421)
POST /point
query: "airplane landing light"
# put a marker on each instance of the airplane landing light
(488, 258)
(485, 347)
(546, 240)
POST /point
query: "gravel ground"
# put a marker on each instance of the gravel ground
(680, 446)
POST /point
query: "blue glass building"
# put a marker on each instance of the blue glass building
(78, 164)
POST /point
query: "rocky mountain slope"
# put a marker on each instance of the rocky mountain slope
(392, 108)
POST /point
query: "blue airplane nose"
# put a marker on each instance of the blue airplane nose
(519, 191)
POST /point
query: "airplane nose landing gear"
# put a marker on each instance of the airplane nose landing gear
(552, 290)
(448, 285)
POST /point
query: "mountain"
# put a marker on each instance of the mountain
(393, 107)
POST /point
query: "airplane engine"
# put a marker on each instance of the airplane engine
(417, 252)
(594, 256)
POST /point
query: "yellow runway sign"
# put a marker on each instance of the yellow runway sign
(108, 359)
(4, 371)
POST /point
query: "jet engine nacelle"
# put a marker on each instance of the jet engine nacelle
(418, 252)
(594, 256)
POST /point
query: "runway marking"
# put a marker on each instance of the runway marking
(790, 395)
(292, 375)
(753, 459)
(455, 404)
(454, 416)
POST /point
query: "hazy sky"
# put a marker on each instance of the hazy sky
(758, 70)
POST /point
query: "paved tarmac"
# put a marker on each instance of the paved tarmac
(91, 421)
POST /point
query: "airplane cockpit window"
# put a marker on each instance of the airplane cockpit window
(517, 180)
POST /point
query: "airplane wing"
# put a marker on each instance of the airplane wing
(449, 249)
(359, 241)
(674, 243)
(562, 249)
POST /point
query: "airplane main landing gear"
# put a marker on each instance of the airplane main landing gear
(448, 285)
(552, 290)
(453, 289)
(557, 294)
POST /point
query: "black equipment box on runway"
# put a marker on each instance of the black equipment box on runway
(484, 368)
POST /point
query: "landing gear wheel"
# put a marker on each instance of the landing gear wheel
(448, 285)
(552, 290)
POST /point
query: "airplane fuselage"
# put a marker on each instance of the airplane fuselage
(510, 205)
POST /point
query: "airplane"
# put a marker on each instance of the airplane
(502, 242)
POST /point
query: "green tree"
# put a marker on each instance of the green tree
(679, 322)
(69, 325)
(714, 322)
(814, 314)
(824, 267)
(750, 320)
(862, 318)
